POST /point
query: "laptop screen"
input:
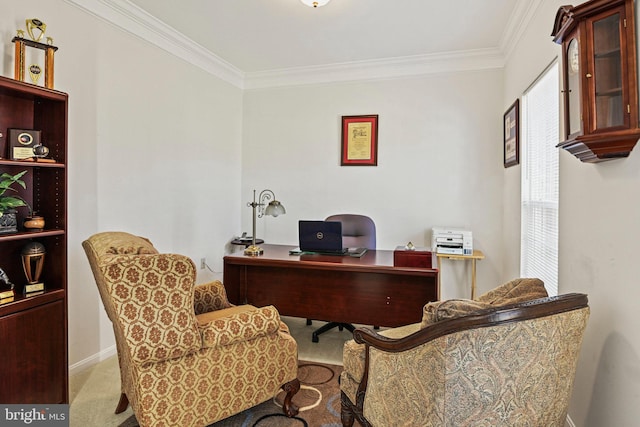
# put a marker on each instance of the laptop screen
(320, 236)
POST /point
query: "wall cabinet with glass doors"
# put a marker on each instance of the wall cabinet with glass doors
(599, 77)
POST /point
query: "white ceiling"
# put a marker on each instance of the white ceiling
(266, 35)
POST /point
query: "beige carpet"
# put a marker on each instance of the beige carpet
(94, 392)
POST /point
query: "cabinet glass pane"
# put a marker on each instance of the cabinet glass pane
(608, 72)
(573, 87)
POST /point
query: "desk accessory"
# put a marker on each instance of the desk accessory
(273, 208)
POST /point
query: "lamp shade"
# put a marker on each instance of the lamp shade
(275, 208)
(315, 3)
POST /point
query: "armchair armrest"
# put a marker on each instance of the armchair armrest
(242, 324)
(487, 317)
(210, 297)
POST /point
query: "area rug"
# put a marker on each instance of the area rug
(318, 400)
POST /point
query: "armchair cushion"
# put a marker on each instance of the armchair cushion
(512, 292)
(515, 291)
(151, 297)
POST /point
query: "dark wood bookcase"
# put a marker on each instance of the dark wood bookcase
(600, 81)
(33, 328)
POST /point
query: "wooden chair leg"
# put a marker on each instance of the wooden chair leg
(123, 404)
(288, 407)
(346, 411)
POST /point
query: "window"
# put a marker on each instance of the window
(539, 204)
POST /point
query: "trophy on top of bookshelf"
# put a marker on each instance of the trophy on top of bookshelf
(36, 30)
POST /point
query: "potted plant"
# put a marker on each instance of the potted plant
(9, 203)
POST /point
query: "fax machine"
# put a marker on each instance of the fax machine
(452, 241)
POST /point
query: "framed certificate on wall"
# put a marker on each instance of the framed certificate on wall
(359, 140)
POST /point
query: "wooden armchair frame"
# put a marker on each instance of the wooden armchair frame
(486, 318)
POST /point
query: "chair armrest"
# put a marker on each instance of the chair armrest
(240, 327)
(488, 317)
(210, 297)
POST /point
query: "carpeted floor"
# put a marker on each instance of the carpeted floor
(94, 392)
(318, 400)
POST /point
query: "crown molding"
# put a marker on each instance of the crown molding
(130, 18)
(517, 25)
(390, 68)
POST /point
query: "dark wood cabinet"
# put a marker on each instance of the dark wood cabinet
(599, 77)
(33, 327)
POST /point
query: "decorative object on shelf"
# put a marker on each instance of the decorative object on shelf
(315, 3)
(8, 204)
(33, 223)
(512, 135)
(40, 151)
(273, 208)
(32, 263)
(6, 288)
(360, 140)
(600, 82)
(36, 30)
(22, 143)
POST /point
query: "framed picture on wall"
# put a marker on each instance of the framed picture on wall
(360, 140)
(512, 135)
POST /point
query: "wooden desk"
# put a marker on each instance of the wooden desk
(367, 290)
(476, 256)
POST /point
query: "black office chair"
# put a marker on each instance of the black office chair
(358, 231)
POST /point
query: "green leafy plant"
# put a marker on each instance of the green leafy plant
(15, 201)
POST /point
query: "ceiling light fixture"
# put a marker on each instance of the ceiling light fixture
(315, 3)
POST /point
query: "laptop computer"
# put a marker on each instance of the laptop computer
(321, 237)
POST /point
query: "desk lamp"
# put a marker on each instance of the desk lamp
(274, 208)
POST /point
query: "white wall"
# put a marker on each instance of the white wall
(154, 149)
(439, 161)
(599, 211)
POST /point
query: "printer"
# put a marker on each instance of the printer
(453, 241)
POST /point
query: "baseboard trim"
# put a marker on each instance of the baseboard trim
(92, 360)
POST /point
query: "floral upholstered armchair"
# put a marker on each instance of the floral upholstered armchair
(507, 358)
(187, 356)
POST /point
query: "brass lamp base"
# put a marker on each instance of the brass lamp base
(253, 250)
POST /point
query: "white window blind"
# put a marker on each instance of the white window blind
(540, 176)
